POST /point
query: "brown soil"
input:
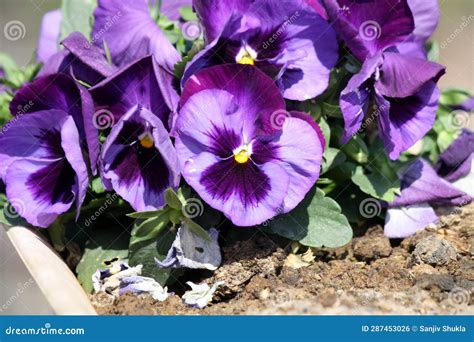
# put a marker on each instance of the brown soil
(429, 273)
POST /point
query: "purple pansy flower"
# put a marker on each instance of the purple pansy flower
(288, 40)
(42, 165)
(402, 86)
(421, 188)
(80, 59)
(61, 92)
(170, 8)
(49, 35)
(234, 150)
(139, 160)
(130, 33)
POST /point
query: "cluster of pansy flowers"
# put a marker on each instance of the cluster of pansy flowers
(220, 126)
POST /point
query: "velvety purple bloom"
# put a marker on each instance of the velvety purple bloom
(48, 43)
(139, 160)
(130, 33)
(421, 188)
(42, 165)
(80, 59)
(234, 150)
(401, 85)
(60, 92)
(426, 16)
(455, 162)
(143, 83)
(288, 40)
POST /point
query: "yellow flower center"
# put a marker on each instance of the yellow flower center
(242, 156)
(146, 140)
(246, 59)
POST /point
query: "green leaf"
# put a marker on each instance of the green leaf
(452, 97)
(376, 184)
(172, 199)
(323, 124)
(433, 51)
(150, 228)
(179, 67)
(316, 222)
(332, 157)
(145, 252)
(196, 228)
(147, 214)
(187, 14)
(332, 110)
(97, 186)
(104, 245)
(77, 16)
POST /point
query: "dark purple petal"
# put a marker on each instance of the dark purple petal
(142, 83)
(49, 35)
(426, 16)
(355, 98)
(91, 57)
(61, 92)
(41, 187)
(140, 173)
(370, 26)
(255, 93)
(130, 33)
(246, 193)
(403, 76)
(455, 162)
(421, 184)
(54, 64)
(34, 136)
(405, 221)
(214, 14)
(403, 122)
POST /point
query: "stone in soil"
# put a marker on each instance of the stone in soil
(433, 250)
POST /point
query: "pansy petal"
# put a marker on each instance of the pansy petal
(142, 83)
(402, 222)
(34, 136)
(49, 35)
(421, 184)
(301, 156)
(40, 190)
(354, 99)
(455, 162)
(403, 122)
(254, 92)
(309, 119)
(370, 26)
(170, 8)
(403, 76)
(426, 15)
(61, 92)
(130, 33)
(138, 174)
(307, 45)
(247, 194)
(90, 56)
(214, 14)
